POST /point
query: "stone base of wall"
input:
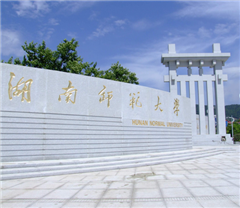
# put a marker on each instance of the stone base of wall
(201, 140)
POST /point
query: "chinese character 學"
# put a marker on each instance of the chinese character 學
(134, 101)
(157, 106)
(26, 88)
(176, 105)
(102, 93)
(69, 91)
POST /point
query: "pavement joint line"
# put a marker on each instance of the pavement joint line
(117, 172)
(135, 199)
(185, 170)
(63, 178)
(189, 190)
(132, 194)
(67, 200)
(17, 189)
(159, 188)
(225, 175)
(101, 198)
(44, 195)
(220, 192)
(234, 183)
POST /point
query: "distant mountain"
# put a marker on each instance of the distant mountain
(206, 109)
(230, 110)
(233, 110)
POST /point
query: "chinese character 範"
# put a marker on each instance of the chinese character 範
(134, 101)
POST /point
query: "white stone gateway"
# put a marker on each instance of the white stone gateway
(214, 60)
(47, 114)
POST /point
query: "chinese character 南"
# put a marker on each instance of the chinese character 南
(176, 105)
(102, 93)
(157, 106)
(69, 91)
(26, 88)
(134, 101)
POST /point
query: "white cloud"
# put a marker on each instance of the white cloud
(72, 35)
(213, 9)
(203, 32)
(11, 43)
(231, 87)
(31, 9)
(109, 25)
(227, 34)
(93, 15)
(46, 33)
(120, 22)
(53, 21)
(221, 29)
(144, 25)
(101, 31)
(106, 26)
(74, 6)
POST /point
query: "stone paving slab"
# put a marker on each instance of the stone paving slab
(205, 182)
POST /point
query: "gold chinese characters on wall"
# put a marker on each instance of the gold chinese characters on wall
(24, 89)
(68, 93)
(102, 93)
(134, 101)
(176, 106)
(16, 91)
(158, 105)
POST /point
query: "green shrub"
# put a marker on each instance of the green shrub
(237, 137)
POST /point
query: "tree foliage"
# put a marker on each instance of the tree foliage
(232, 110)
(236, 128)
(118, 73)
(66, 59)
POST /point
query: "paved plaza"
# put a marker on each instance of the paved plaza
(204, 182)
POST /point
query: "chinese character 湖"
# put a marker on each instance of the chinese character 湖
(26, 88)
(135, 101)
(102, 93)
(69, 91)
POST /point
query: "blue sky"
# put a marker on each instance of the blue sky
(134, 33)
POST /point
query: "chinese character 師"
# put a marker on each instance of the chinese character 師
(102, 93)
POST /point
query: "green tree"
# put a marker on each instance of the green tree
(236, 128)
(40, 57)
(118, 73)
(66, 59)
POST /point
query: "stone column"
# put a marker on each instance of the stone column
(201, 107)
(193, 106)
(173, 77)
(183, 88)
(221, 120)
(211, 121)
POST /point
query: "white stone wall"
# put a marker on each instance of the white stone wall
(45, 128)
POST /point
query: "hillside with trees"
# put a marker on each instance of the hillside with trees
(233, 110)
(230, 110)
